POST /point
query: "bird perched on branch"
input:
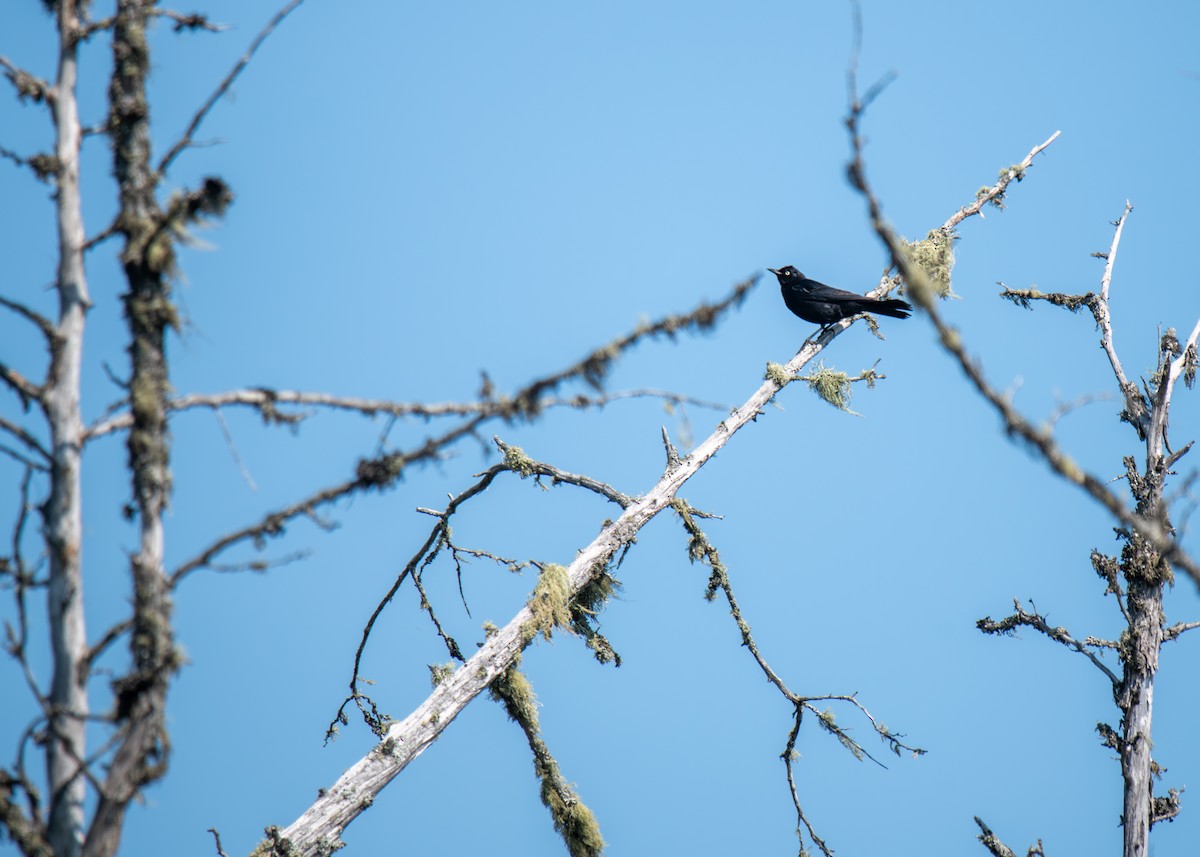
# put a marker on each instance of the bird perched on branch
(822, 304)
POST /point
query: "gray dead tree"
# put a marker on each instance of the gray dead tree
(1151, 551)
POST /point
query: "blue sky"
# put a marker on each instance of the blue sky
(425, 191)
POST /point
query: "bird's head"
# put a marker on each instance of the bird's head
(786, 273)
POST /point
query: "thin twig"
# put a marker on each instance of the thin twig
(1134, 403)
(232, 447)
(108, 232)
(385, 468)
(26, 84)
(9, 154)
(191, 22)
(267, 401)
(186, 140)
(49, 332)
(26, 390)
(996, 191)
(26, 438)
(789, 757)
(217, 839)
(1179, 628)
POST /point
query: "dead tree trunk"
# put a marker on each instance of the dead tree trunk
(62, 514)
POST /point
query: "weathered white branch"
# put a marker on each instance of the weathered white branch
(320, 828)
(63, 512)
(1162, 407)
(998, 188)
(1134, 404)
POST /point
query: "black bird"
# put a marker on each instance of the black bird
(822, 304)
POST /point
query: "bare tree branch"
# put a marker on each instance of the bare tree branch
(320, 827)
(27, 85)
(191, 21)
(26, 390)
(9, 155)
(267, 401)
(1134, 403)
(43, 324)
(991, 842)
(1151, 545)
(26, 831)
(515, 461)
(1038, 622)
(26, 438)
(789, 757)
(700, 549)
(1157, 432)
(1179, 628)
(186, 140)
(996, 192)
(384, 469)
(922, 292)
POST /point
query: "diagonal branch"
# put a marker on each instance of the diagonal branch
(996, 192)
(10, 155)
(923, 292)
(383, 470)
(186, 140)
(26, 84)
(43, 324)
(515, 461)
(320, 827)
(26, 438)
(26, 390)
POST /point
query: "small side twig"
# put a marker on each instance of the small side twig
(1035, 620)
(217, 841)
(186, 140)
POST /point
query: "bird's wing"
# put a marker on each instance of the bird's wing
(820, 292)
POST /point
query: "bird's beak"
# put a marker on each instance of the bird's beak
(773, 271)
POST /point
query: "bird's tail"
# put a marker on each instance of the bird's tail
(893, 307)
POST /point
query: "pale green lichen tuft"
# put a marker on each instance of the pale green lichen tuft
(550, 603)
(572, 819)
(832, 386)
(438, 673)
(517, 461)
(513, 689)
(935, 258)
(778, 375)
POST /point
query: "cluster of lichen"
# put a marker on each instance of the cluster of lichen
(586, 604)
(778, 375)
(550, 603)
(380, 472)
(1007, 174)
(935, 257)
(518, 462)
(572, 818)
